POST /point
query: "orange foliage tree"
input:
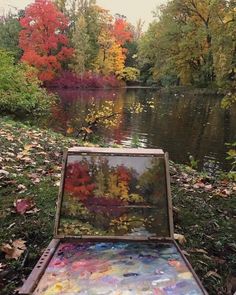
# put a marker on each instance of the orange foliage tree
(121, 31)
(43, 38)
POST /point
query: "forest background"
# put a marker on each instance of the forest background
(77, 43)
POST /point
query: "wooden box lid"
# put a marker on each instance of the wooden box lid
(114, 193)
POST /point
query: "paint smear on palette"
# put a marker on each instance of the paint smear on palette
(118, 269)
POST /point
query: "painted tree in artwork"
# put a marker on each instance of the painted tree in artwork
(43, 38)
(118, 183)
(78, 182)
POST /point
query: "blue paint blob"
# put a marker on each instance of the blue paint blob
(131, 274)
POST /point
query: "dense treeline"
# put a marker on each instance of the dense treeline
(191, 42)
(77, 43)
(65, 38)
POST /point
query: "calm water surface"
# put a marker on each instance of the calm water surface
(182, 124)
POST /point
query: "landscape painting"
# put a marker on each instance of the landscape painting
(114, 196)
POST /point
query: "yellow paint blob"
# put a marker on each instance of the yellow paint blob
(64, 286)
(185, 275)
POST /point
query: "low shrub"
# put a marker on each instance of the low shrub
(129, 74)
(69, 79)
(20, 90)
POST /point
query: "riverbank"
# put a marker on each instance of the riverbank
(30, 167)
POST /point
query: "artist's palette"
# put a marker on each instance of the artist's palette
(120, 268)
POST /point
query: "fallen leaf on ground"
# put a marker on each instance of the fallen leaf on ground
(185, 253)
(199, 185)
(33, 211)
(35, 177)
(6, 173)
(224, 193)
(21, 187)
(180, 238)
(2, 266)
(23, 205)
(208, 187)
(212, 273)
(231, 285)
(14, 250)
(27, 148)
(11, 225)
(219, 260)
(195, 250)
(57, 183)
(70, 130)
(232, 246)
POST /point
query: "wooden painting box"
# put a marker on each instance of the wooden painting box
(114, 229)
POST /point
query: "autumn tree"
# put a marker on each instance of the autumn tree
(101, 42)
(224, 44)
(184, 44)
(111, 58)
(43, 40)
(122, 31)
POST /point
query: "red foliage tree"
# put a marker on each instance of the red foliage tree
(78, 181)
(42, 38)
(124, 174)
(121, 31)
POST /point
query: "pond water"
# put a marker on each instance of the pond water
(183, 124)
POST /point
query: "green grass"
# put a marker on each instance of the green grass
(39, 172)
(208, 223)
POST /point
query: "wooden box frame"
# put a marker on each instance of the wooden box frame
(39, 269)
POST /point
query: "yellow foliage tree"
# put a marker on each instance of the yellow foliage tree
(111, 58)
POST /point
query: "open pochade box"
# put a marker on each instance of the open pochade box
(114, 229)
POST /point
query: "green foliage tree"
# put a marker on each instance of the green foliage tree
(224, 44)
(9, 34)
(86, 22)
(20, 89)
(129, 74)
(91, 14)
(131, 53)
(185, 44)
(80, 42)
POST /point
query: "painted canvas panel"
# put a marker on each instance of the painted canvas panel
(115, 196)
(117, 269)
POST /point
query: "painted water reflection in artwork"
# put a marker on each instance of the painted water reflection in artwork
(117, 268)
(114, 195)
